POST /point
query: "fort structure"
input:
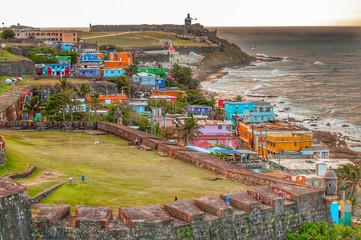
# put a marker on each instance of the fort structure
(258, 213)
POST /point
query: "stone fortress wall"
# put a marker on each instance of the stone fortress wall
(209, 217)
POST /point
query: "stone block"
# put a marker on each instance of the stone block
(241, 200)
(133, 217)
(45, 215)
(213, 205)
(184, 210)
(92, 217)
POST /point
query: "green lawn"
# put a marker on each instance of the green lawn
(5, 56)
(116, 174)
(137, 39)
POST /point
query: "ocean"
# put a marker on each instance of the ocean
(320, 75)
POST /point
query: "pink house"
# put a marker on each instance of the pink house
(215, 132)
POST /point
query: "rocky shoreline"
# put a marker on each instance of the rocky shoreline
(335, 141)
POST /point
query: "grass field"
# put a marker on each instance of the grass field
(136, 39)
(116, 174)
(5, 56)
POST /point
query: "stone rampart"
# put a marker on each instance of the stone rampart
(258, 213)
(15, 220)
(19, 68)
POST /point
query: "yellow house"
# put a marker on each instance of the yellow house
(273, 138)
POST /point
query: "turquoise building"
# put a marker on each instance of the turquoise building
(255, 112)
(113, 72)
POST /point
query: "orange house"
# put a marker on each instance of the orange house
(169, 92)
(273, 138)
(107, 99)
(124, 58)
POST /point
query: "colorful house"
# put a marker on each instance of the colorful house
(57, 69)
(167, 98)
(89, 71)
(199, 109)
(64, 59)
(273, 138)
(110, 99)
(156, 71)
(321, 152)
(169, 92)
(249, 111)
(113, 72)
(91, 58)
(138, 106)
(215, 132)
(125, 59)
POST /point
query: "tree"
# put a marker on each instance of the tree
(54, 106)
(218, 114)
(189, 129)
(94, 102)
(8, 33)
(239, 98)
(183, 77)
(73, 55)
(33, 106)
(83, 90)
(351, 175)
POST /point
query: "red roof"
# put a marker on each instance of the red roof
(171, 49)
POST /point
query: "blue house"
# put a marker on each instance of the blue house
(199, 109)
(138, 106)
(249, 111)
(89, 72)
(66, 46)
(113, 72)
(160, 83)
(87, 58)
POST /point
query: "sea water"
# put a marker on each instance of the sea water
(319, 76)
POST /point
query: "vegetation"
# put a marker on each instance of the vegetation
(350, 174)
(43, 54)
(322, 231)
(6, 56)
(7, 33)
(33, 107)
(183, 77)
(135, 39)
(189, 129)
(115, 174)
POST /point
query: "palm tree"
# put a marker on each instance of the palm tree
(83, 90)
(351, 175)
(239, 98)
(33, 106)
(218, 114)
(95, 102)
(64, 84)
(189, 129)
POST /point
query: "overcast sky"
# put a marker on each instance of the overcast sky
(79, 13)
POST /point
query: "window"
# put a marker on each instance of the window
(295, 144)
(220, 127)
(74, 39)
(261, 118)
(261, 109)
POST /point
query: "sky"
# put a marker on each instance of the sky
(79, 13)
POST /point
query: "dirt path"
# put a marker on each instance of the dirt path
(48, 176)
(107, 35)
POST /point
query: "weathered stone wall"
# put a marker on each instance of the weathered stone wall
(15, 220)
(195, 29)
(23, 67)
